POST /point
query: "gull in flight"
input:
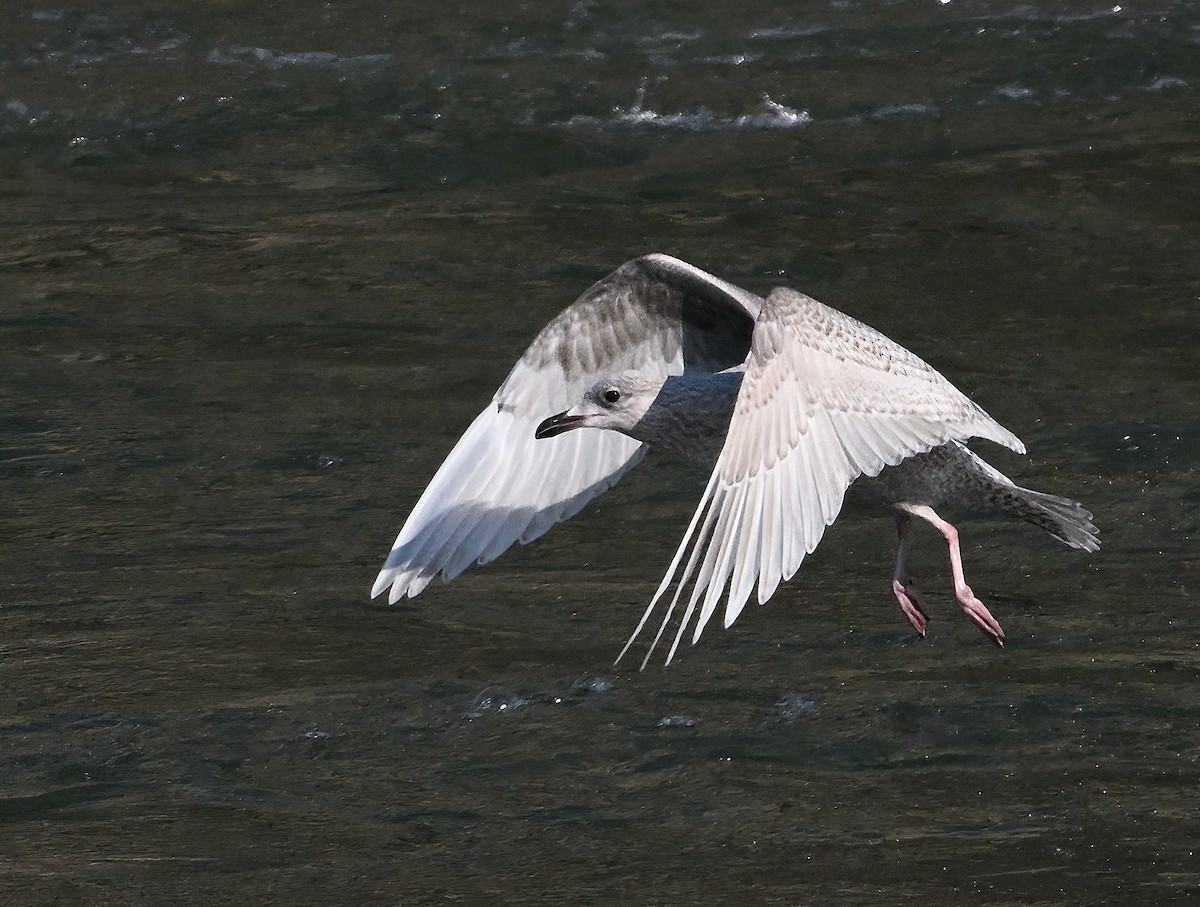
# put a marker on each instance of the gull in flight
(795, 407)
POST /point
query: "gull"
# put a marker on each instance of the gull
(795, 407)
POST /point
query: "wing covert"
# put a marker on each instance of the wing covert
(824, 400)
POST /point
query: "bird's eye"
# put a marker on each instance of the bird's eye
(612, 395)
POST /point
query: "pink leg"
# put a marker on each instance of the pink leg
(970, 604)
(907, 594)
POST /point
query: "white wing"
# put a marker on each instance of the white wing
(500, 485)
(825, 399)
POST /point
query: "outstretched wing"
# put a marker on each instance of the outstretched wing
(500, 485)
(825, 399)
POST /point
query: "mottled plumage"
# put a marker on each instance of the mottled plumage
(791, 403)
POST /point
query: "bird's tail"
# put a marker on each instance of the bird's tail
(1063, 518)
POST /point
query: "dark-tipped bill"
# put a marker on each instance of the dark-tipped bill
(556, 425)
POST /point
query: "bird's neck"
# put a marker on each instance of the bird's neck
(690, 416)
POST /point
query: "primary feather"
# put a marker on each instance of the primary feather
(500, 485)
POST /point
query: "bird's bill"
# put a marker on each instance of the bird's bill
(556, 425)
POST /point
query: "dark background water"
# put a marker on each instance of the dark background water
(260, 264)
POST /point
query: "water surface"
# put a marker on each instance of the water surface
(260, 266)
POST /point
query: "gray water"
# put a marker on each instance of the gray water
(260, 265)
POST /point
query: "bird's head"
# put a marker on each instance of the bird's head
(616, 402)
